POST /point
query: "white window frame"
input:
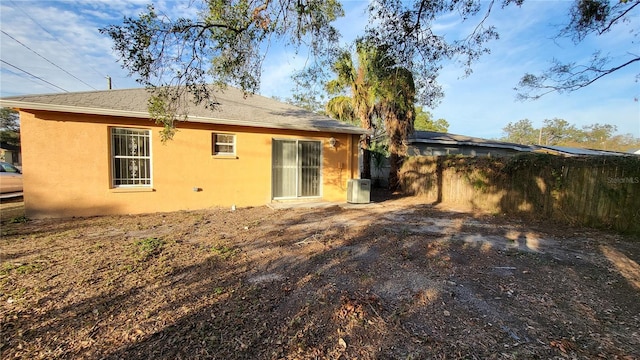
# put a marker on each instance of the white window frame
(215, 143)
(141, 177)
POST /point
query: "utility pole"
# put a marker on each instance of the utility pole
(540, 137)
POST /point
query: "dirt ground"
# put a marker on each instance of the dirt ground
(397, 279)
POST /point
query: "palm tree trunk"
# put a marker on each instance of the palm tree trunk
(393, 171)
(395, 162)
(366, 157)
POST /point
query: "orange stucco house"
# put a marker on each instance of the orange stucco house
(98, 153)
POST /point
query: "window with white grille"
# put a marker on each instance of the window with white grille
(223, 144)
(131, 157)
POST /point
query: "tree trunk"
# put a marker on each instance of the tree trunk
(366, 158)
(395, 162)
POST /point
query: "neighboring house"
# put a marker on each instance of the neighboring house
(94, 153)
(571, 151)
(429, 143)
(11, 154)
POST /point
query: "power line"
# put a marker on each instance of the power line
(37, 77)
(22, 76)
(52, 35)
(49, 61)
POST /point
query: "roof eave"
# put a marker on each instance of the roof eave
(145, 115)
(469, 143)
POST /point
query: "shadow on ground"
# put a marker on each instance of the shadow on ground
(399, 280)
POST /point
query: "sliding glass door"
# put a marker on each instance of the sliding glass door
(296, 168)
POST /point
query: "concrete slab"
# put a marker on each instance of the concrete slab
(319, 204)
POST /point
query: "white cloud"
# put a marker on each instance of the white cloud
(282, 62)
(73, 44)
(484, 103)
(353, 23)
(277, 71)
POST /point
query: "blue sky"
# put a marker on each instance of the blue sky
(72, 55)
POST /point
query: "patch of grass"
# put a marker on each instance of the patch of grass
(254, 223)
(128, 268)
(17, 294)
(223, 251)
(6, 269)
(4, 232)
(218, 290)
(19, 220)
(29, 268)
(21, 269)
(95, 248)
(149, 247)
(404, 232)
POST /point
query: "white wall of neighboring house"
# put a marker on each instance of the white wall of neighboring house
(10, 156)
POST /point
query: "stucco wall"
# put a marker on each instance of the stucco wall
(66, 167)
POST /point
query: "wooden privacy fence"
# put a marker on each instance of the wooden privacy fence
(602, 192)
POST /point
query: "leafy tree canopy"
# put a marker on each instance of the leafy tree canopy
(520, 132)
(425, 122)
(371, 88)
(9, 120)
(367, 87)
(226, 40)
(9, 126)
(558, 131)
(562, 133)
(222, 45)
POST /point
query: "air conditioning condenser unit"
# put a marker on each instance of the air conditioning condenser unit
(359, 191)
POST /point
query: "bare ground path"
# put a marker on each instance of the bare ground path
(398, 279)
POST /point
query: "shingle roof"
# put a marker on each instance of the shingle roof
(234, 109)
(571, 151)
(432, 137)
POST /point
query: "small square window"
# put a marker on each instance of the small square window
(224, 144)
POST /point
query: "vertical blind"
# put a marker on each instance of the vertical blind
(309, 168)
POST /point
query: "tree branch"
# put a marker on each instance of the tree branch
(615, 20)
(609, 71)
(574, 80)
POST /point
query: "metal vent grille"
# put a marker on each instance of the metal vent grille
(359, 191)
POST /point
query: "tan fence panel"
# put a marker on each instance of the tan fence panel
(602, 192)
